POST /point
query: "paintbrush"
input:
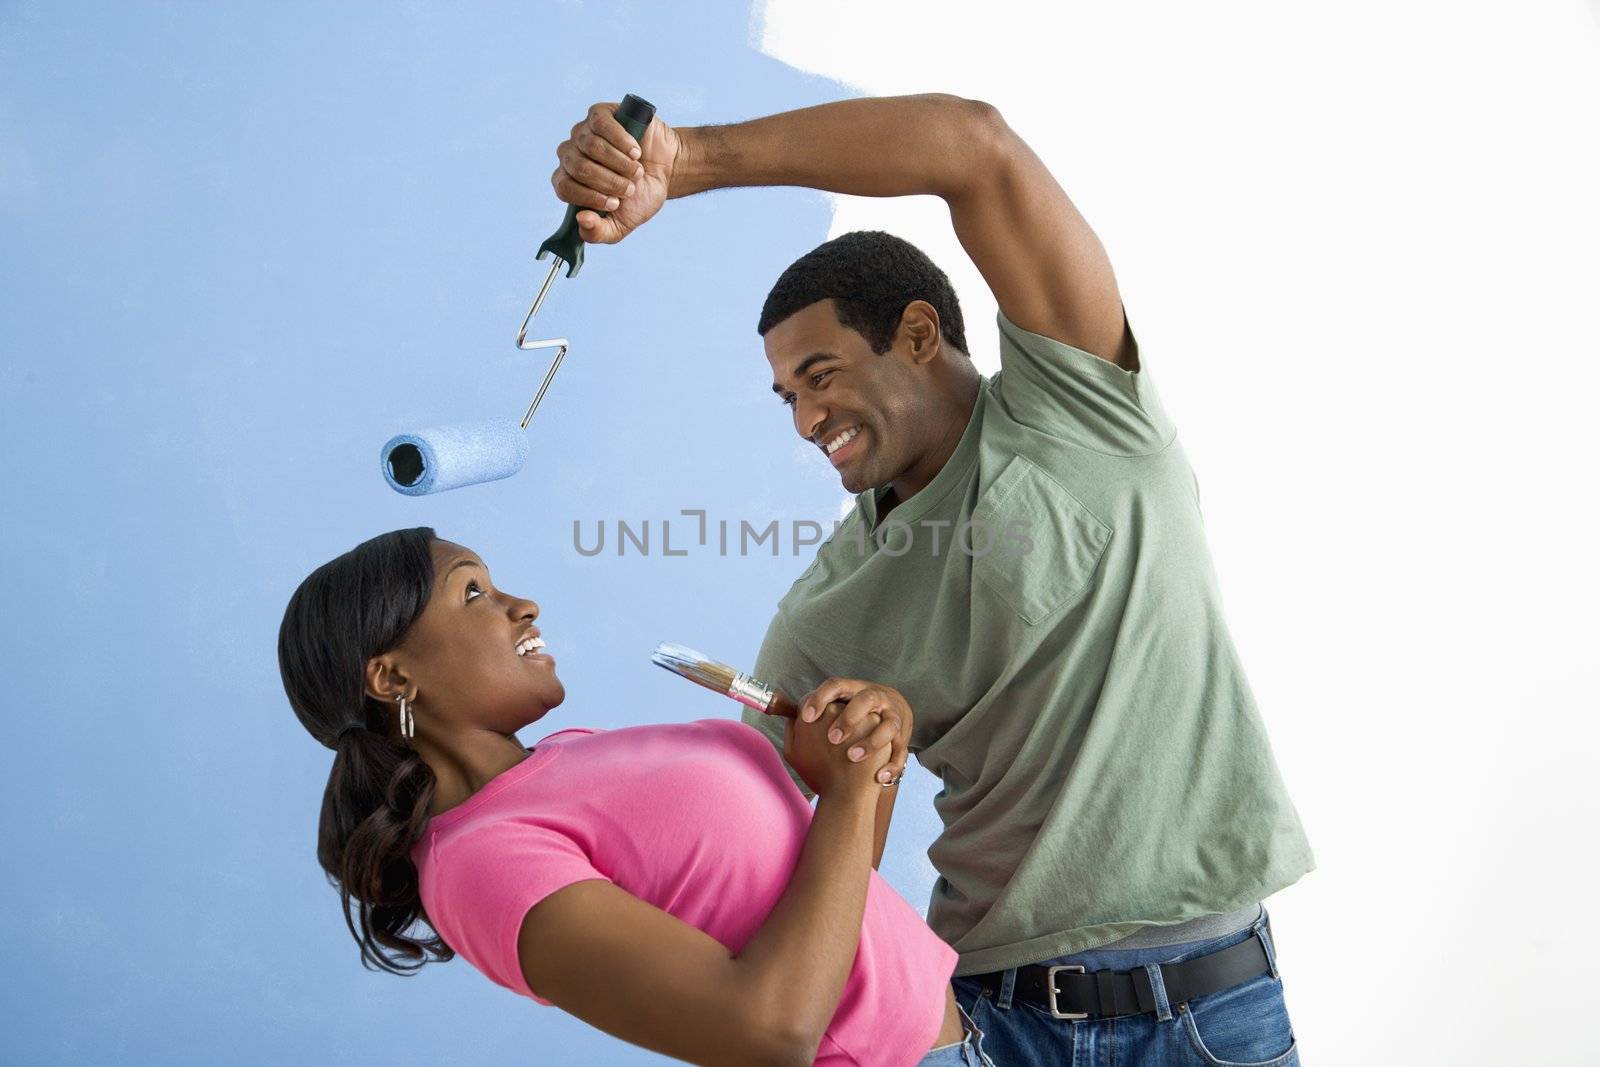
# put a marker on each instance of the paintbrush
(723, 679)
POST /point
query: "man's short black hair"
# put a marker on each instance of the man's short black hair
(873, 276)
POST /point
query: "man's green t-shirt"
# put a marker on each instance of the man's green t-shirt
(1048, 606)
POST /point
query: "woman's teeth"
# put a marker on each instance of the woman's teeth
(843, 439)
(531, 645)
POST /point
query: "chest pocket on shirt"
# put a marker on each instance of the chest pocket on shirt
(1044, 545)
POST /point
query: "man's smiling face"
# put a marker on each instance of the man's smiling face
(858, 407)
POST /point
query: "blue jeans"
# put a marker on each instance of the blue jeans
(968, 1052)
(1246, 1024)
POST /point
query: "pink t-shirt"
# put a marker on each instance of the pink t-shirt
(700, 819)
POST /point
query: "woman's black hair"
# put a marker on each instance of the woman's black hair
(379, 791)
(871, 275)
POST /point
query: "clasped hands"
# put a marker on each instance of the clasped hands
(849, 733)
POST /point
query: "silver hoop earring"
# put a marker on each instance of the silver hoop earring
(408, 722)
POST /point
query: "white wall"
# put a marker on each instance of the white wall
(1358, 243)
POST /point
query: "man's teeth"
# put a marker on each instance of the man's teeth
(842, 440)
(532, 645)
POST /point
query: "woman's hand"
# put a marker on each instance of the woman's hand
(604, 169)
(824, 766)
(873, 717)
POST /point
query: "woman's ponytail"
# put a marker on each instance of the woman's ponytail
(379, 790)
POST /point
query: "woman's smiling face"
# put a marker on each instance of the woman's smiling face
(461, 660)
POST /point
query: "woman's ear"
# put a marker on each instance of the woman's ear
(385, 682)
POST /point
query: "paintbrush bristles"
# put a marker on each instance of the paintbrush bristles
(718, 677)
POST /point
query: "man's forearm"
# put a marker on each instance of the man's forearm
(931, 143)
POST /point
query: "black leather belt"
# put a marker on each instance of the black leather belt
(1068, 992)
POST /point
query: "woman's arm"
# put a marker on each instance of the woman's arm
(880, 823)
(855, 702)
(800, 958)
(642, 975)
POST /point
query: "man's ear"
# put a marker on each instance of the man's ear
(919, 331)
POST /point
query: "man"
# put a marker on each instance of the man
(1026, 563)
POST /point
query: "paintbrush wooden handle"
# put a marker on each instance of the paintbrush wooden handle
(782, 706)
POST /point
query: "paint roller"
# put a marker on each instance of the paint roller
(447, 457)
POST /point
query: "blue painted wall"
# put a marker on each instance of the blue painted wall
(240, 247)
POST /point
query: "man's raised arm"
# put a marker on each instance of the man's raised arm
(930, 143)
(1047, 269)
(1045, 266)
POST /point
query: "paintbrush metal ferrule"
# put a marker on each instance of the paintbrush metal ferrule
(746, 690)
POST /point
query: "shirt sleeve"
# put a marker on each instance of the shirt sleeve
(1056, 389)
(486, 882)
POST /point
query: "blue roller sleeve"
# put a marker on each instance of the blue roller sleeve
(445, 457)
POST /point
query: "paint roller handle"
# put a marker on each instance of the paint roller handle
(634, 113)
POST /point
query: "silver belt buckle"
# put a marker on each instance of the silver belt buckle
(1050, 982)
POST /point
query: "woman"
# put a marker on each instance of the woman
(667, 884)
